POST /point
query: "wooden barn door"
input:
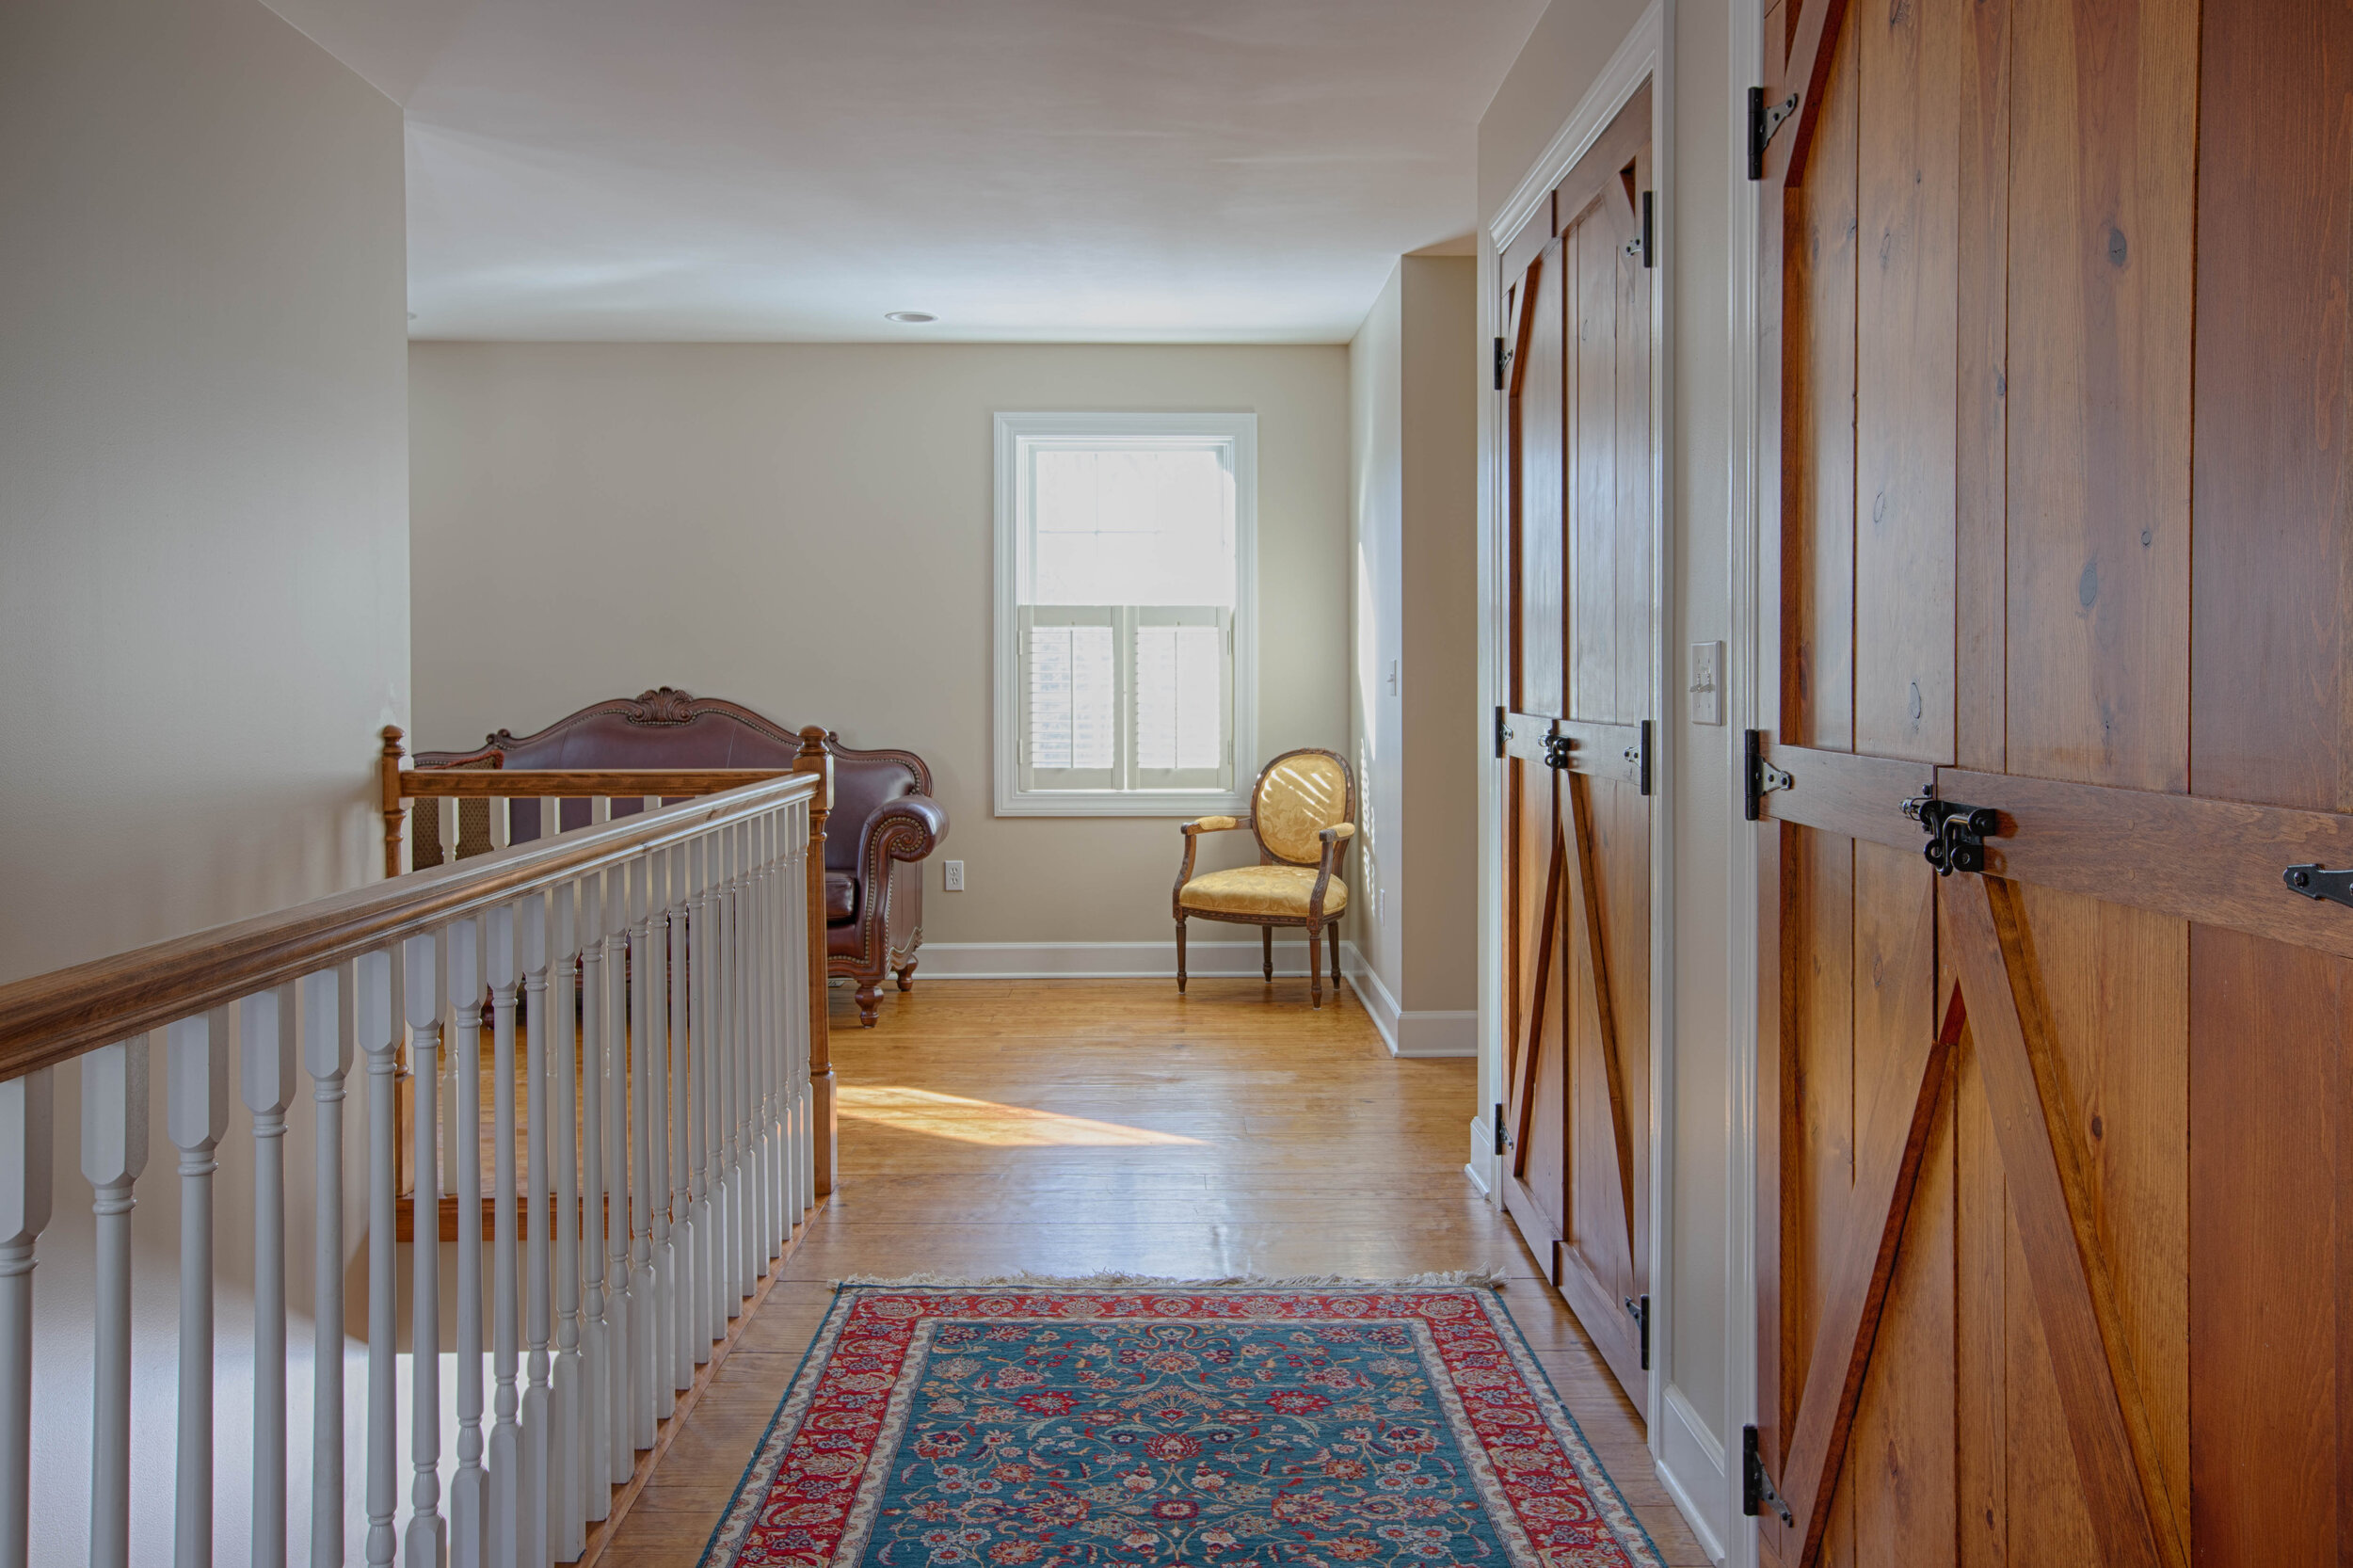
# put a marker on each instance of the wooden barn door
(2056, 1140)
(1577, 742)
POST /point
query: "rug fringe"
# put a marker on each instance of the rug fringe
(1457, 1278)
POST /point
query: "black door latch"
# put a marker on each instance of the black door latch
(1638, 1307)
(1957, 833)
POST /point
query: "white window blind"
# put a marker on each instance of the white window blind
(1123, 574)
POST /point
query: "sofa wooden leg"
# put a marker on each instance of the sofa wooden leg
(868, 1003)
(906, 977)
(1315, 968)
(1180, 958)
(1266, 944)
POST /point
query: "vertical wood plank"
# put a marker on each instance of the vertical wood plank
(1818, 1085)
(1590, 244)
(1538, 414)
(1906, 214)
(2266, 1240)
(1981, 286)
(2101, 210)
(1981, 1232)
(1819, 424)
(1902, 1444)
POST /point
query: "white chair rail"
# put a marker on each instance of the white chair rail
(647, 988)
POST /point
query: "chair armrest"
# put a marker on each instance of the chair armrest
(1193, 831)
(1333, 836)
(906, 829)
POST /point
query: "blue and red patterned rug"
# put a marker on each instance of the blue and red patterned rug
(1056, 1425)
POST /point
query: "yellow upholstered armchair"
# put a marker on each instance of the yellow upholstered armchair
(1302, 811)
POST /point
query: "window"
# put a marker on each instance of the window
(1125, 578)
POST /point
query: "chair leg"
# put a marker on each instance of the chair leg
(906, 976)
(1314, 966)
(869, 1001)
(1180, 958)
(1266, 941)
(1337, 988)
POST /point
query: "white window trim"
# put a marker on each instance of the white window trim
(1012, 799)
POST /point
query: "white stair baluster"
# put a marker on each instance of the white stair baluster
(469, 1490)
(726, 1017)
(507, 1503)
(682, 1351)
(701, 958)
(27, 1141)
(373, 987)
(568, 1393)
(804, 1006)
(779, 1121)
(425, 1542)
(536, 1486)
(740, 1080)
(196, 1114)
(596, 1419)
(655, 1086)
(644, 1053)
(328, 1029)
(617, 1335)
(758, 975)
(114, 1152)
(265, 1060)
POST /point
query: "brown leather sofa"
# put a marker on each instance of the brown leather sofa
(883, 820)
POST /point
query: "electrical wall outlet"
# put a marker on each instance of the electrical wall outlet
(1706, 687)
(952, 876)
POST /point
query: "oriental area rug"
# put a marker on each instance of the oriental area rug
(1054, 1424)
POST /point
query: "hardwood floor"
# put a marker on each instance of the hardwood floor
(1079, 1127)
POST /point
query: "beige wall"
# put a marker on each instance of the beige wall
(806, 529)
(1703, 1315)
(203, 595)
(1414, 413)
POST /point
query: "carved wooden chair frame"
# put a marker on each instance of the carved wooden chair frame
(1332, 839)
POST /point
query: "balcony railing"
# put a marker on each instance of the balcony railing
(666, 969)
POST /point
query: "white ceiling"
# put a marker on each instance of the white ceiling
(1230, 170)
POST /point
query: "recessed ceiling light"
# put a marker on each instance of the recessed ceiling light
(910, 318)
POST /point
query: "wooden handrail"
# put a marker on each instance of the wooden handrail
(573, 783)
(55, 1017)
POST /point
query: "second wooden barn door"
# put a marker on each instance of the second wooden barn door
(1578, 822)
(2055, 1228)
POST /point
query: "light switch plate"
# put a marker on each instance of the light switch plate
(952, 876)
(1706, 688)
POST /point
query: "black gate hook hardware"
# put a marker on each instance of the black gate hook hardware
(1957, 833)
(2316, 884)
(1556, 751)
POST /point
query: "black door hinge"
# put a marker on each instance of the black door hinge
(1756, 1487)
(1503, 732)
(1641, 243)
(1640, 755)
(2316, 882)
(1639, 1307)
(1759, 777)
(1503, 358)
(1503, 1140)
(1764, 124)
(1957, 833)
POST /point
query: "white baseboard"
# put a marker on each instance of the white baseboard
(1105, 960)
(1692, 1468)
(1416, 1034)
(1483, 1156)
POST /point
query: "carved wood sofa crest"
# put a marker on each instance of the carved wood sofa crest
(882, 822)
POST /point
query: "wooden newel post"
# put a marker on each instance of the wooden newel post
(394, 818)
(814, 758)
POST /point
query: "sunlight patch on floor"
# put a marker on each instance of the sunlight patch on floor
(970, 1121)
